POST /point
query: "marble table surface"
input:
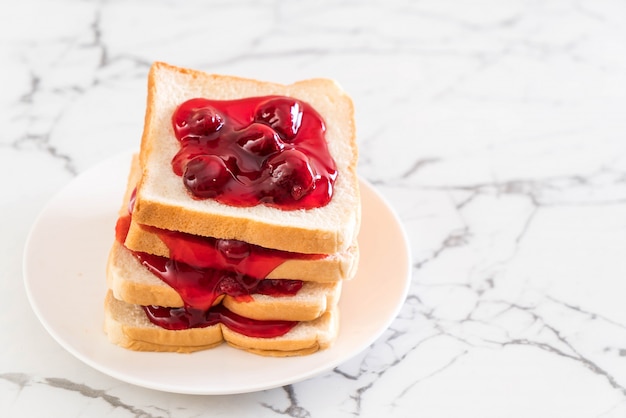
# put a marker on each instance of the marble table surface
(496, 129)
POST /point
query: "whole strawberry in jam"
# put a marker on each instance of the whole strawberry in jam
(283, 114)
(233, 250)
(229, 285)
(259, 139)
(259, 150)
(196, 118)
(290, 176)
(206, 175)
(193, 148)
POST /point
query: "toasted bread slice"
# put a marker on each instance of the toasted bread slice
(163, 201)
(133, 283)
(128, 326)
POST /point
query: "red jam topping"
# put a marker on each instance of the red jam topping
(199, 287)
(216, 253)
(184, 318)
(218, 272)
(207, 252)
(268, 150)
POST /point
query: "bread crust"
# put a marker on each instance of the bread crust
(127, 326)
(326, 230)
(286, 308)
(132, 283)
(331, 268)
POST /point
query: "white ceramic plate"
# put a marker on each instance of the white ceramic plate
(64, 273)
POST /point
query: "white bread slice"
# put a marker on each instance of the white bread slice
(331, 268)
(127, 326)
(133, 283)
(163, 201)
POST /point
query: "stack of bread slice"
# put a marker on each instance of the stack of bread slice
(191, 261)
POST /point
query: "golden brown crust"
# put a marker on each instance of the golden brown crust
(267, 347)
(285, 308)
(282, 237)
(327, 270)
(280, 353)
(126, 326)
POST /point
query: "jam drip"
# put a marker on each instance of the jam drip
(185, 318)
(216, 253)
(215, 267)
(211, 253)
(208, 252)
(200, 287)
(269, 150)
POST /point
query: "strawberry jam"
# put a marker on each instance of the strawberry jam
(263, 150)
(200, 287)
(216, 253)
(185, 318)
(208, 252)
(217, 272)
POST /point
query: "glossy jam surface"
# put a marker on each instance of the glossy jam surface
(237, 255)
(263, 150)
(185, 318)
(201, 269)
(199, 287)
(121, 228)
(208, 252)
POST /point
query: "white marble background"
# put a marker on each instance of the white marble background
(496, 128)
